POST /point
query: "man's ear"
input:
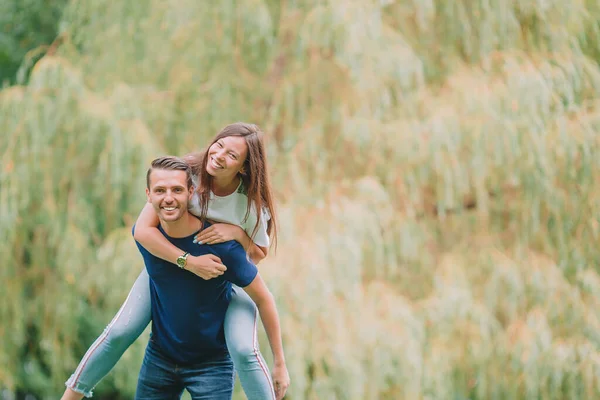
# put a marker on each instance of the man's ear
(148, 195)
(191, 192)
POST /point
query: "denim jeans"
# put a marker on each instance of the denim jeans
(162, 379)
(130, 321)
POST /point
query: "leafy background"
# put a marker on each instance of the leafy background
(435, 164)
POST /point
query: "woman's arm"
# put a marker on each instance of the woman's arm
(147, 234)
(222, 232)
(255, 252)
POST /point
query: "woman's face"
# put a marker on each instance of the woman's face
(226, 157)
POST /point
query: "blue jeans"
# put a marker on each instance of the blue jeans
(162, 379)
(128, 324)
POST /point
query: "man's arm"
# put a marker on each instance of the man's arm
(245, 274)
(265, 302)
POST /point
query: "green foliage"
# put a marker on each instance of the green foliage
(434, 161)
(27, 28)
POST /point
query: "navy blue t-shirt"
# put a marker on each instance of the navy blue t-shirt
(188, 312)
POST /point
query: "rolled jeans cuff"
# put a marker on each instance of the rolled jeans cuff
(78, 387)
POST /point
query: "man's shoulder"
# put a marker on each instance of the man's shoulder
(229, 248)
(231, 253)
(222, 250)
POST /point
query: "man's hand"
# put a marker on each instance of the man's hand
(281, 380)
(206, 267)
(219, 233)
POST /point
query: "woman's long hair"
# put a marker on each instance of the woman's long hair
(255, 176)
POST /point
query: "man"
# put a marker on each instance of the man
(187, 347)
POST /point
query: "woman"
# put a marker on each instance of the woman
(232, 187)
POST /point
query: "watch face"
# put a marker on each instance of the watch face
(182, 260)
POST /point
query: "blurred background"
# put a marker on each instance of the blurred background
(435, 164)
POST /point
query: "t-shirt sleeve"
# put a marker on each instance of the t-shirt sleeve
(195, 180)
(240, 270)
(194, 205)
(261, 238)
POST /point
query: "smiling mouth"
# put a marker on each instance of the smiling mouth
(215, 164)
(169, 208)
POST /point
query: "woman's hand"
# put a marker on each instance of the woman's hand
(219, 233)
(281, 380)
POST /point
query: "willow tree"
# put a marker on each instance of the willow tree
(435, 164)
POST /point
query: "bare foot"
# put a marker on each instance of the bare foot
(71, 395)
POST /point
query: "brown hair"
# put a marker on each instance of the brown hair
(254, 175)
(170, 163)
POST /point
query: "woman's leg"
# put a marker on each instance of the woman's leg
(126, 326)
(240, 332)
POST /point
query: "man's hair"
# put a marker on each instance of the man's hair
(171, 163)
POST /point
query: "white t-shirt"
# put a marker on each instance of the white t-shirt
(232, 209)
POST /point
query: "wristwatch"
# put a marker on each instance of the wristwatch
(182, 260)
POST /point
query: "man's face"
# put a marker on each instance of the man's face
(169, 194)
